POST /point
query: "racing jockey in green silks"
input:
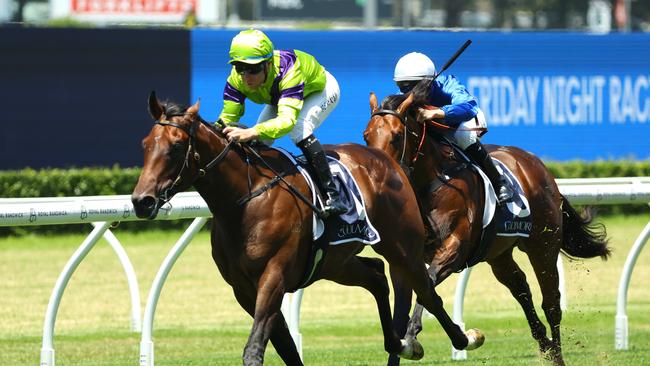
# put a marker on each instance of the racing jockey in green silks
(299, 94)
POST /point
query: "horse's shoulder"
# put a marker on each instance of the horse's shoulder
(506, 150)
(512, 156)
(362, 155)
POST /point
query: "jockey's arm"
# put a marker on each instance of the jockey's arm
(463, 106)
(431, 114)
(273, 128)
(455, 114)
(233, 105)
(283, 123)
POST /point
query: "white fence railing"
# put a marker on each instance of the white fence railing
(101, 211)
(613, 191)
(592, 191)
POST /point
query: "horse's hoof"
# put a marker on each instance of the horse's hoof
(475, 339)
(411, 350)
(554, 354)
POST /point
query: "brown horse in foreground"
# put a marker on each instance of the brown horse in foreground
(454, 210)
(261, 246)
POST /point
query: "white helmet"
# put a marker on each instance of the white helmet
(414, 66)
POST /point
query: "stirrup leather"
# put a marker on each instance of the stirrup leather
(316, 157)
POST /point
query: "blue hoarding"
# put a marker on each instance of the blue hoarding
(562, 96)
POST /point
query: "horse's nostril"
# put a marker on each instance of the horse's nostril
(147, 202)
(145, 207)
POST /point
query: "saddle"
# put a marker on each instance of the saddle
(511, 219)
(353, 225)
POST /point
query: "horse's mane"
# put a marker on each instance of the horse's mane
(420, 98)
(177, 109)
(173, 108)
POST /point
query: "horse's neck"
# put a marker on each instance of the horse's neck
(429, 165)
(224, 183)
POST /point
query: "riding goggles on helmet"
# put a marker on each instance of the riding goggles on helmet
(251, 69)
(406, 86)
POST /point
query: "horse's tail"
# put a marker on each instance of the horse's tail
(580, 236)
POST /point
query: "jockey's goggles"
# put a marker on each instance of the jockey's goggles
(406, 86)
(252, 69)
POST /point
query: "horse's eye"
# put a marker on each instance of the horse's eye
(398, 139)
(176, 149)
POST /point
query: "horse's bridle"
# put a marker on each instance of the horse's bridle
(403, 120)
(191, 131)
(168, 193)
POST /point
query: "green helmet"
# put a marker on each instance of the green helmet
(251, 47)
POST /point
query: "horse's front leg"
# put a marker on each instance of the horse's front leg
(414, 326)
(401, 307)
(369, 274)
(415, 323)
(280, 336)
(270, 290)
(424, 287)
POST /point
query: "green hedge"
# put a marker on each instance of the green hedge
(605, 169)
(75, 182)
(68, 182)
(117, 181)
(600, 169)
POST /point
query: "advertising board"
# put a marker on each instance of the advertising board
(562, 96)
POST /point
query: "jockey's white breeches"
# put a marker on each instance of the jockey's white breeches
(464, 135)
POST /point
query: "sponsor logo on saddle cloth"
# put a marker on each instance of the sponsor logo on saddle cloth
(513, 218)
(354, 224)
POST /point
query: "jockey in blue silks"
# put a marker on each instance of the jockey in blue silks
(458, 109)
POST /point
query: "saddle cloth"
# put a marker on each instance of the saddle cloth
(513, 218)
(354, 224)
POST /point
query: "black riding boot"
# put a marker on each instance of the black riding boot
(478, 153)
(316, 157)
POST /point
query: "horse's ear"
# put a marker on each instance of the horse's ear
(405, 105)
(373, 103)
(155, 109)
(194, 109)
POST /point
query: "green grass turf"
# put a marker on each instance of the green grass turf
(198, 322)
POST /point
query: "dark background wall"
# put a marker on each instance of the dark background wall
(78, 97)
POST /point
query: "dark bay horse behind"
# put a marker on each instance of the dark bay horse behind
(261, 244)
(453, 207)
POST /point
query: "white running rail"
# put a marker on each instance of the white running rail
(590, 191)
(101, 211)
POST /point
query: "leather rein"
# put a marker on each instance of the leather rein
(438, 125)
(402, 119)
(191, 132)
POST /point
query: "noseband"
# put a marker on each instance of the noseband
(191, 132)
(403, 120)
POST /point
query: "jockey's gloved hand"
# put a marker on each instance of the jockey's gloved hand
(240, 134)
